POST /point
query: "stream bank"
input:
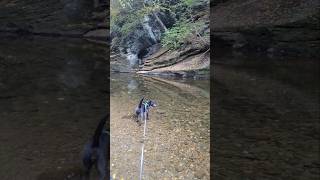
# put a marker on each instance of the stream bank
(187, 63)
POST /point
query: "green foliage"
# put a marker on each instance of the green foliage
(180, 34)
(124, 22)
(186, 31)
(191, 3)
(129, 26)
(176, 36)
(126, 3)
(127, 15)
(155, 7)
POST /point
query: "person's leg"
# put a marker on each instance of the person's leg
(87, 159)
(101, 164)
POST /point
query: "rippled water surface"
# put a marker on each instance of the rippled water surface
(266, 118)
(178, 136)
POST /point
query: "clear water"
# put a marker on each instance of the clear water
(52, 95)
(177, 137)
(266, 118)
(53, 92)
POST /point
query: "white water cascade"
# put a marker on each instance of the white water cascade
(148, 28)
(132, 58)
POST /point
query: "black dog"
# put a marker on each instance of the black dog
(96, 150)
(142, 110)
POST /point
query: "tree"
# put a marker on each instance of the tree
(185, 26)
(129, 15)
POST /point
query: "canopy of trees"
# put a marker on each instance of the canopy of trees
(127, 16)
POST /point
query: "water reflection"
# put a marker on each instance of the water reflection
(177, 144)
(266, 118)
(51, 99)
(132, 85)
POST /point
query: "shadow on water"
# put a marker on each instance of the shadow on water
(266, 118)
(52, 95)
(178, 136)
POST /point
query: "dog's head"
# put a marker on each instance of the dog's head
(151, 103)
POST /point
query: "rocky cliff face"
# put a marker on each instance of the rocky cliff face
(54, 17)
(274, 27)
(143, 52)
(142, 41)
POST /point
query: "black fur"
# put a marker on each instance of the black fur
(95, 151)
(138, 108)
(142, 110)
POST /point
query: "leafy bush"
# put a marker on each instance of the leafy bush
(191, 3)
(181, 33)
(176, 36)
(128, 27)
(127, 16)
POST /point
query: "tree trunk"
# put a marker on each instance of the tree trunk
(160, 22)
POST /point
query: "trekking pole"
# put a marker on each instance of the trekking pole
(142, 148)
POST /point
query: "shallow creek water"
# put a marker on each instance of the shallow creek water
(52, 95)
(178, 136)
(265, 118)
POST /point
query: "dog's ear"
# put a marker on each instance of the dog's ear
(151, 103)
(140, 103)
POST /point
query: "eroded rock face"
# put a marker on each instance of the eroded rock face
(51, 17)
(274, 27)
(140, 42)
